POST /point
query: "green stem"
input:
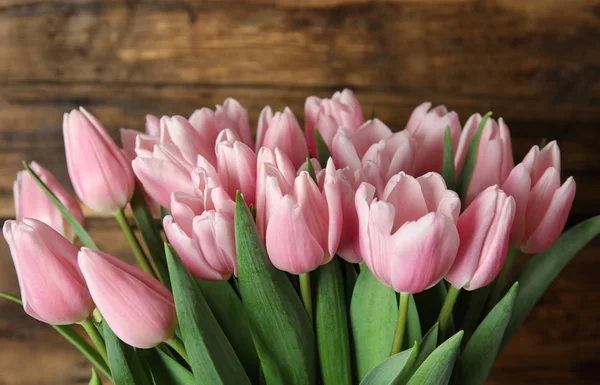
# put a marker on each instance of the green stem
(306, 293)
(134, 244)
(96, 338)
(446, 312)
(401, 324)
(178, 346)
(499, 284)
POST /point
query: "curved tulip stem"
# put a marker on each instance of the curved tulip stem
(96, 338)
(306, 293)
(446, 312)
(178, 346)
(401, 324)
(499, 284)
(140, 256)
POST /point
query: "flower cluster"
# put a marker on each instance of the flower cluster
(380, 198)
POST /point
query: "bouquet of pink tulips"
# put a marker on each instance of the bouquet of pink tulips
(344, 253)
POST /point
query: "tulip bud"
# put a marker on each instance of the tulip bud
(282, 131)
(136, 306)
(203, 121)
(494, 155)
(235, 117)
(409, 238)
(304, 226)
(543, 205)
(274, 163)
(237, 169)
(32, 202)
(484, 230)
(52, 288)
(178, 131)
(428, 128)
(392, 155)
(342, 110)
(201, 231)
(163, 171)
(100, 173)
(348, 149)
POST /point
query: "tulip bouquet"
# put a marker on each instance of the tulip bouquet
(344, 253)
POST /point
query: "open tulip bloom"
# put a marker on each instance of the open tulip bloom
(332, 254)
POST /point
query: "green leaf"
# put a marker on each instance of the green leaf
(427, 345)
(279, 324)
(310, 169)
(212, 358)
(331, 321)
(437, 368)
(468, 166)
(74, 338)
(125, 365)
(535, 277)
(481, 350)
(373, 314)
(165, 369)
(77, 227)
(95, 380)
(448, 171)
(429, 303)
(322, 148)
(413, 325)
(231, 316)
(389, 369)
(151, 234)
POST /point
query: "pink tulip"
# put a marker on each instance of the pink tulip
(542, 204)
(163, 171)
(342, 110)
(348, 181)
(428, 127)
(152, 125)
(304, 224)
(32, 202)
(282, 131)
(52, 288)
(494, 155)
(392, 155)
(409, 238)
(237, 169)
(99, 171)
(231, 115)
(178, 131)
(201, 231)
(136, 306)
(348, 149)
(275, 163)
(484, 230)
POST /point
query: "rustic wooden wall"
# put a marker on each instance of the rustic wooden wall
(534, 62)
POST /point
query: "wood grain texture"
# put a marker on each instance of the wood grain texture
(536, 63)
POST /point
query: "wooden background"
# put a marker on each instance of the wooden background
(534, 62)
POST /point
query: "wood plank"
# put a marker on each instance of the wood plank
(461, 47)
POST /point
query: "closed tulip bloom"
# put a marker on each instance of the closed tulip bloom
(203, 121)
(484, 230)
(32, 202)
(52, 288)
(342, 110)
(234, 116)
(348, 148)
(348, 181)
(136, 306)
(201, 231)
(163, 171)
(179, 131)
(494, 155)
(428, 126)
(100, 173)
(543, 205)
(304, 224)
(236, 165)
(392, 155)
(409, 238)
(282, 130)
(275, 163)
